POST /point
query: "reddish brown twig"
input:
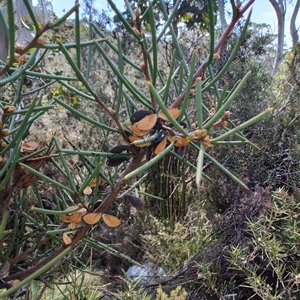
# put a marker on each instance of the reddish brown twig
(144, 64)
(21, 51)
(218, 46)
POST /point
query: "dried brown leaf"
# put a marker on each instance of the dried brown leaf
(94, 182)
(92, 218)
(147, 122)
(110, 220)
(88, 190)
(161, 146)
(136, 131)
(29, 146)
(174, 112)
(67, 240)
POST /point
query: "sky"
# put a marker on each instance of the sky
(263, 12)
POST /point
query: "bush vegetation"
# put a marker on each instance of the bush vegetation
(140, 143)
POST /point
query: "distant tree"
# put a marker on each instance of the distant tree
(221, 9)
(4, 42)
(293, 29)
(280, 9)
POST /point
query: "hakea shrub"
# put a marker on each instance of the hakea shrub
(153, 132)
(42, 237)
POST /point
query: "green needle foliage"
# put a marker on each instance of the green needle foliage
(161, 106)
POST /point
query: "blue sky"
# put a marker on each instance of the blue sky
(263, 12)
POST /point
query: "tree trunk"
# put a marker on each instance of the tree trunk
(222, 14)
(3, 46)
(23, 36)
(280, 9)
(293, 29)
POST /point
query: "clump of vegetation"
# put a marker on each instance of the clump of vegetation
(108, 152)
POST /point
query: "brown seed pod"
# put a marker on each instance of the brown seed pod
(9, 109)
(224, 123)
(161, 146)
(138, 132)
(227, 114)
(212, 111)
(134, 201)
(110, 220)
(115, 161)
(120, 148)
(74, 216)
(174, 112)
(29, 146)
(147, 123)
(206, 141)
(72, 225)
(5, 132)
(94, 182)
(66, 218)
(87, 191)
(139, 115)
(92, 218)
(67, 240)
(97, 204)
(180, 141)
(198, 134)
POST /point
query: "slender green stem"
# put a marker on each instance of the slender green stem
(227, 103)
(21, 130)
(137, 93)
(32, 16)
(150, 163)
(12, 165)
(3, 23)
(11, 26)
(50, 76)
(188, 86)
(200, 166)
(99, 245)
(199, 103)
(147, 139)
(174, 37)
(84, 116)
(36, 109)
(154, 44)
(76, 69)
(64, 18)
(225, 171)
(114, 48)
(37, 273)
(54, 212)
(243, 125)
(89, 178)
(3, 225)
(121, 68)
(46, 178)
(211, 32)
(77, 37)
(166, 88)
(128, 27)
(165, 110)
(69, 175)
(232, 56)
(63, 230)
